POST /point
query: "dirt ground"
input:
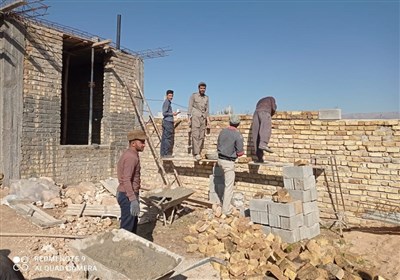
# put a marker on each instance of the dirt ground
(378, 247)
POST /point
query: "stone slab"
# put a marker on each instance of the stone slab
(330, 114)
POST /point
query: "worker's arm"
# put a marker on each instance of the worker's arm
(207, 113)
(239, 146)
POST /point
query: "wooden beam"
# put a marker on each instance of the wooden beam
(102, 43)
(200, 202)
(17, 234)
(12, 6)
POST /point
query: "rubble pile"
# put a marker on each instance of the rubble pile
(252, 254)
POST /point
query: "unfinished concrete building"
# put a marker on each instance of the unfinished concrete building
(65, 105)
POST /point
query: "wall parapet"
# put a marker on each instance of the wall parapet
(367, 154)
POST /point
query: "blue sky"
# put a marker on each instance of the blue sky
(309, 55)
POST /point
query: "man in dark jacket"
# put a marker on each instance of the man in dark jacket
(262, 125)
(167, 139)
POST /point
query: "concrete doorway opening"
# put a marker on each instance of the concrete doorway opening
(79, 66)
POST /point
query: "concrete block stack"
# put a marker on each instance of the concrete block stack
(300, 183)
(295, 220)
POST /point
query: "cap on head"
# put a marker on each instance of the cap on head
(234, 119)
(136, 135)
(202, 84)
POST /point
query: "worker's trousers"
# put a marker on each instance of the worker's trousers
(167, 139)
(229, 176)
(261, 131)
(128, 222)
(198, 133)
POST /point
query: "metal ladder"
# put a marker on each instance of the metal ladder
(336, 194)
(144, 124)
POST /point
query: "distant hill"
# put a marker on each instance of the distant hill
(379, 115)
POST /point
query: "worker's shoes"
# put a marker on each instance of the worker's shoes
(197, 157)
(259, 161)
(266, 148)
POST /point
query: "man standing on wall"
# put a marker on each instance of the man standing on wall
(199, 119)
(128, 170)
(262, 125)
(230, 147)
(167, 138)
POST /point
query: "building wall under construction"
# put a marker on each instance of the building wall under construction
(41, 153)
(367, 154)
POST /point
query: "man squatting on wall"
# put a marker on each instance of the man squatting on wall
(262, 125)
(128, 170)
(199, 120)
(230, 147)
(167, 139)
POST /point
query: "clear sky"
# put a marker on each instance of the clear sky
(309, 55)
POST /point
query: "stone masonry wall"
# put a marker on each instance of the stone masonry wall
(367, 154)
(42, 154)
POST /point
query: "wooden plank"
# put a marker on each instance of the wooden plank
(36, 215)
(94, 210)
(190, 159)
(200, 202)
(271, 163)
(111, 185)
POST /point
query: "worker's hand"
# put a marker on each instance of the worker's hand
(135, 207)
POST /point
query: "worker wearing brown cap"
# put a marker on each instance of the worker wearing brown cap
(262, 126)
(128, 170)
(199, 120)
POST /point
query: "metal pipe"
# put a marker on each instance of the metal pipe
(91, 99)
(118, 41)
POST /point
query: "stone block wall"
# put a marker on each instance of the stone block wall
(367, 154)
(42, 154)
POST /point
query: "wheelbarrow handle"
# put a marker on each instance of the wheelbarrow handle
(200, 263)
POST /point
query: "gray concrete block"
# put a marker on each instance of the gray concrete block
(314, 194)
(330, 114)
(255, 217)
(291, 223)
(266, 229)
(285, 209)
(288, 183)
(303, 196)
(288, 236)
(297, 171)
(259, 210)
(306, 183)
(309, 207)
(314, 230)
(274, 220)
(260, 204)
(311, 219)
(259, 217)
(304, 232)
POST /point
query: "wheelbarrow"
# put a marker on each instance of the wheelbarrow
(122, 255)
(165, 199)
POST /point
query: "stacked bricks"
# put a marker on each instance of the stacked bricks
(295, 220)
